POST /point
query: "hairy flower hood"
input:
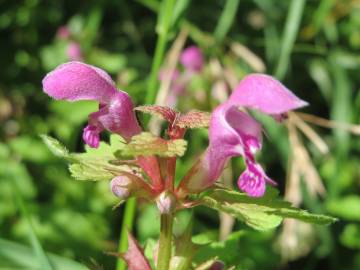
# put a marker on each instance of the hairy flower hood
(75, 81)
(233, 132)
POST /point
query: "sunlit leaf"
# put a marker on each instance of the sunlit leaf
(163, 112)
(55, 146)
(146, 144)
(194, 119)
(94, 164)
(260, 213)
(17, 256)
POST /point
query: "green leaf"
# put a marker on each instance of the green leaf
(96, 163)
(146, 144)
(259, 213)
(346, 207)
(55, 146)
(350, 237)
(86, 172)
(163, 112)
(17, 256)
(194, 119)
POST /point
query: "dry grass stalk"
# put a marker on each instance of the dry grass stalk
(170, 66)
(248, 56)
(310, 133)
(322, 122)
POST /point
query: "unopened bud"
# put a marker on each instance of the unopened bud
(120, 187)
(166, 202)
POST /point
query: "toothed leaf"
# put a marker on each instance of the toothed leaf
(194, 119)
(55, 146)
(95, 163)
(163, 112)
(134, 256)
(260, 213)
(146, 144)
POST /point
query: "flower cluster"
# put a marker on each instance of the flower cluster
(232, 131)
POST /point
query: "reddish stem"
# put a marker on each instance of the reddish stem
(150, 165)
(171, 166)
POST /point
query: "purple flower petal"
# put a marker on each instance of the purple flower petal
(192, 59)
(91, 136)
(78, 81)
(266, 94)
(253, 180)
(74, 81)
(231, 133)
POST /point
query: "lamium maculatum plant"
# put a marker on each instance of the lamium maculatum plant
(139, 164)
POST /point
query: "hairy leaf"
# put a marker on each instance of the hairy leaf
(134, 256)
(260, 213)
(146, 144)
(194, 119)
(163, 112)
(93, 164)
(55, 146)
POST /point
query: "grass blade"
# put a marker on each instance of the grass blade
(43, 260)
(289, 35)
(226, 19)
(18, 256)
(163, 27)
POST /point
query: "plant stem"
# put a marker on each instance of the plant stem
(164, 23)
(171, 166)
(127, 224)
(165, 242)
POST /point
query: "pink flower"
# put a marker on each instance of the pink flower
(234, 133)
(73, 51)
(192, 59)
(75, 81)
(63, 32)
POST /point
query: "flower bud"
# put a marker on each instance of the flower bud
(121, 187)
(166, 202)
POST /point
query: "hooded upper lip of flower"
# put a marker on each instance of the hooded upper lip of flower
(233, 132)
(75, 81)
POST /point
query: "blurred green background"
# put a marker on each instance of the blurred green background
(312, 46)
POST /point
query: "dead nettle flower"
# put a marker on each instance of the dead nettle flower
(75, 81)
(233, 133)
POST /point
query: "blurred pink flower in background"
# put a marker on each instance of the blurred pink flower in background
(63, 32)
(192, 59)
(74, 52)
